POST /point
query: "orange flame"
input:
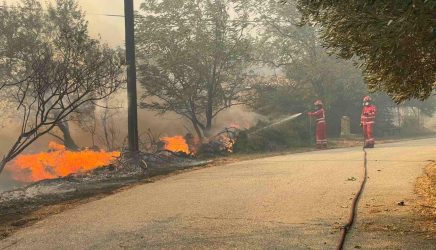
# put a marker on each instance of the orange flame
(176, 144)
(59, 162)
(228, 143)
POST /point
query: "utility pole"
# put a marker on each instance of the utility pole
(131, 78)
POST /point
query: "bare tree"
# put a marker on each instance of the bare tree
(65, 70)
(111, 132)
(89, 123)
(66, 138)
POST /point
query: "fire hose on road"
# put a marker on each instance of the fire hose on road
(347, 227)
(353, 212)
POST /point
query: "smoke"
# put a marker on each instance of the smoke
(237, 116)
(169, 124)
(109, 28)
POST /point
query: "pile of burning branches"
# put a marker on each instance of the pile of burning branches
(221, 143)
(63, 173)
(189, 146)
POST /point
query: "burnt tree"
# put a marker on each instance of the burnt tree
(64, 69)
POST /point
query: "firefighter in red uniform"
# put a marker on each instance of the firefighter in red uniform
(319, 115)
(367, 120)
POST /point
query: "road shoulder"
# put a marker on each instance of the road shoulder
(391, 214)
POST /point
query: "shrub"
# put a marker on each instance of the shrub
(291, 134)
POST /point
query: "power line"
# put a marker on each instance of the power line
(139, 17)
(108, 15)
(206, 21)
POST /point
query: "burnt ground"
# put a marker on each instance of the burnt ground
(25, 206)
(294, 201)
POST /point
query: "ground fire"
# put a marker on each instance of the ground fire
(58, 162)
(222, 142)
(176, 144)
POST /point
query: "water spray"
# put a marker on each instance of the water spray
(284, 120)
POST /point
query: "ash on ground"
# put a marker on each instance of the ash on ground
(103, 180)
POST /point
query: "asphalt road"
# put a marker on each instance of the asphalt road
(286, 202)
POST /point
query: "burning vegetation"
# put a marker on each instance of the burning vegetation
(190, 145)
(176, 144)
(58, 162)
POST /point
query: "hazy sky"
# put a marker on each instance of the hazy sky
(111, 29)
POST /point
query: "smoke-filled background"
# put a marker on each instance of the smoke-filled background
(110, 29)
(337, 81)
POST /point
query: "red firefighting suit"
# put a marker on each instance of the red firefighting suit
(319, 115)
(367, 120)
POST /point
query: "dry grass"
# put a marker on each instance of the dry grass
(426, 189)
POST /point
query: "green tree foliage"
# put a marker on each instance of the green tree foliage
(395, 41)
(193, 58)
(386, 114)
(296, 53)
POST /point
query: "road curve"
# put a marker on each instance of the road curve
(293, 201)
